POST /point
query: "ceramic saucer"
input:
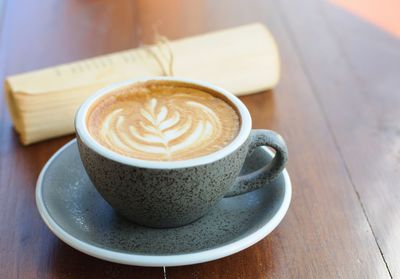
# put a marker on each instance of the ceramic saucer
(71, 207)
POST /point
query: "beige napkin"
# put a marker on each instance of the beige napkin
(242, 60)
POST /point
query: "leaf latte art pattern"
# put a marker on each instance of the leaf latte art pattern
(166, 126)
(161, 134)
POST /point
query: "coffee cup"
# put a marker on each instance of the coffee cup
(175, 192)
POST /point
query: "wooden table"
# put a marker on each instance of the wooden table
(337, 105)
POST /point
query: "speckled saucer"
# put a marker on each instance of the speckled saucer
(71, 207)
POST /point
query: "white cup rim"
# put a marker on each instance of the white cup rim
(89, 141)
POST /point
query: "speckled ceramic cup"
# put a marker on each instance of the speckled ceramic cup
(171, 194)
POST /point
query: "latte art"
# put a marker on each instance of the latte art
(160, 132)
(159, 122)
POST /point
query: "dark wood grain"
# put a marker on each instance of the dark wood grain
(344, 173)
(354, 69)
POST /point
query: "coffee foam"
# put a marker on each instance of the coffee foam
(163, 121)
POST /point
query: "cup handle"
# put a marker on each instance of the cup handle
(257, 179)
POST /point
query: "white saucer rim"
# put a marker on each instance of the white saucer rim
(161, 260)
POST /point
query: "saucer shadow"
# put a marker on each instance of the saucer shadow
(258, 261)
(70, 263)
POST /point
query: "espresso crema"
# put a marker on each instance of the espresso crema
(163, 121)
